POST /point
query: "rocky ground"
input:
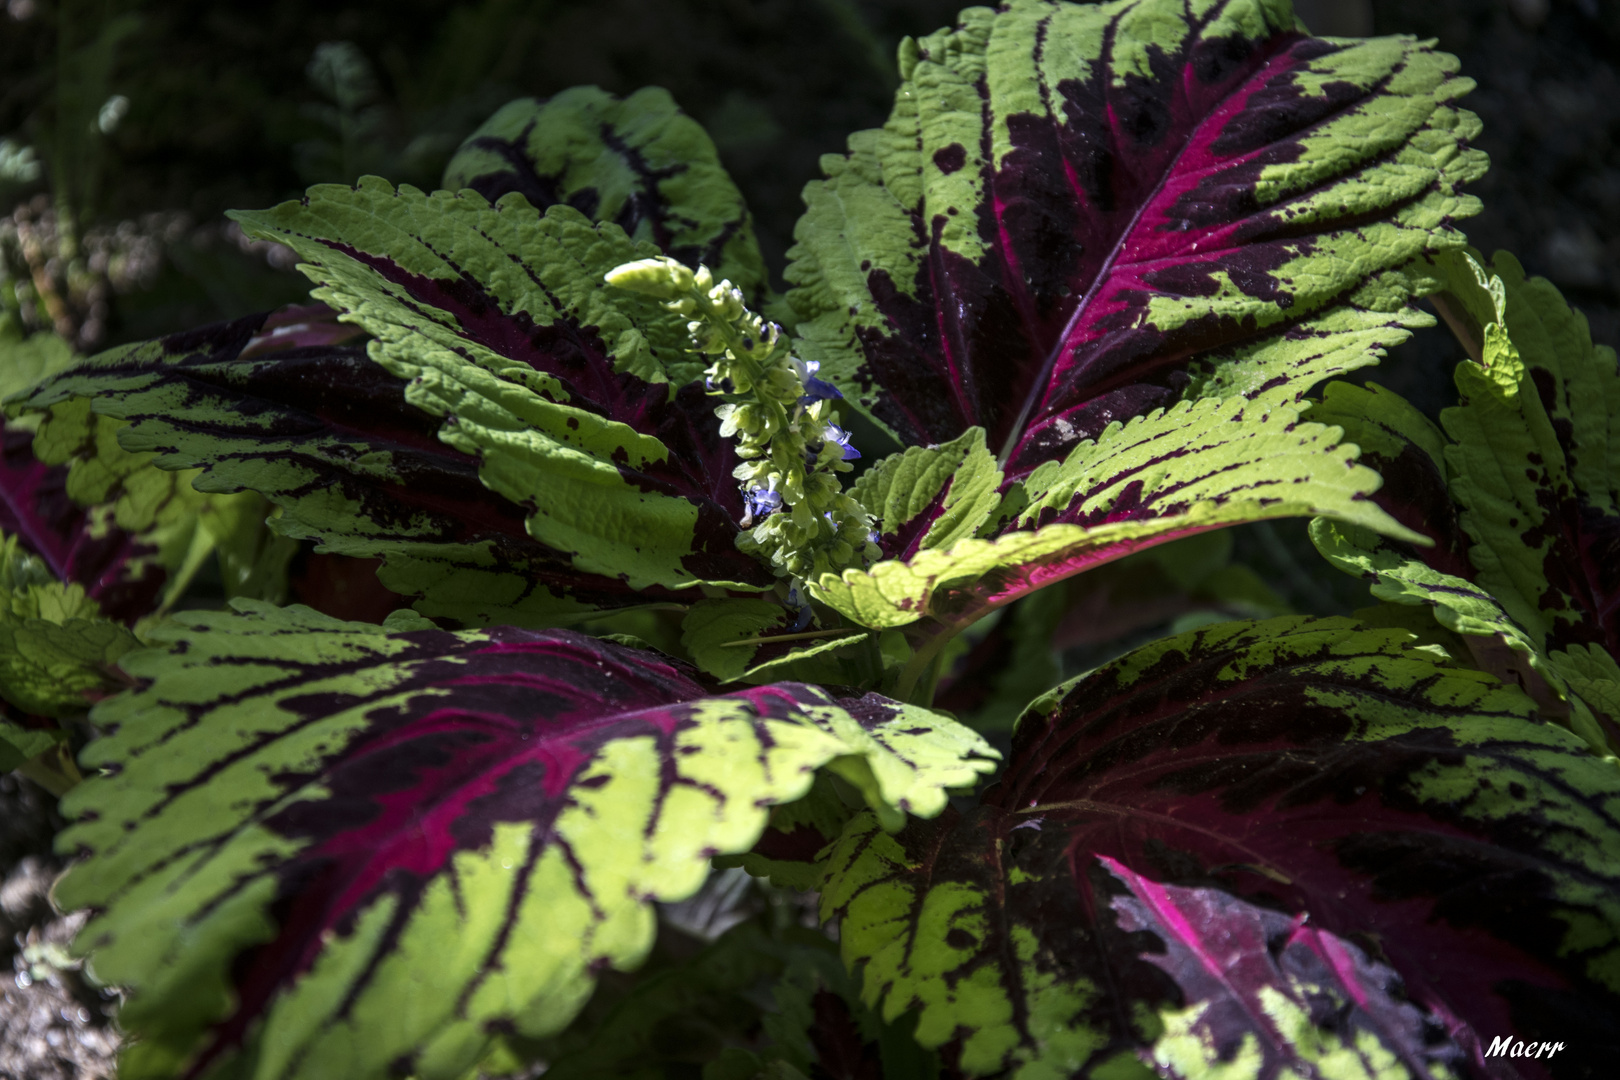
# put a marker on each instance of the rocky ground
(53, 1024)
(1549, 95)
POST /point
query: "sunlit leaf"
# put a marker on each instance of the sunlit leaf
(507, 442)
(1519, 496)
(1395, 856)
(1197, 466)
(1078, 213)
(324, 846)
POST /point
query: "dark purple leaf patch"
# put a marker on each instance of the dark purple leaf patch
(117, 569)
(481, 818)
(1293, 800)
(1129, 208)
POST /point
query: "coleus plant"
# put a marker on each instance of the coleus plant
(1085, 279)
(94, 543)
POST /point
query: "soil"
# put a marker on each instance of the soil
(53, 1024)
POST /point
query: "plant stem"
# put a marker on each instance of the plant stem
(54, 770)
(922, 670)
(1461, 325)
(805, 636)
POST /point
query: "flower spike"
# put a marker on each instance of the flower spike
(781, 416)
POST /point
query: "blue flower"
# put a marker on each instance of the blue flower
(834, 433)
(762, 501)
(814, 389)
(805, 614)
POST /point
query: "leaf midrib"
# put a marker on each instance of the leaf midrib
(1039, 386)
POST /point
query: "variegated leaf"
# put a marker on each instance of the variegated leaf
(1520, 495)
(564, 387)
(639, 162)
(323, 848)
(1197, 466)
(1341, 856)
(1078, 213)
(507, 442)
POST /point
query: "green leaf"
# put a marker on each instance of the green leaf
(1078, 213)
(1519, 496)
(755, 641)
(1593, 675)
(319, 845)
(638, 162)
(1279, 799)
(714, 633)
(18, 744)
(51, 668)
(841, 659)
(1197, 466)
(931, 496)
(57, 657)
(56, 651)
(27, 361)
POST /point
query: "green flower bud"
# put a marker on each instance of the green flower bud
(662, 277)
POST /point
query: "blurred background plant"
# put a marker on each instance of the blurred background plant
(141, 121)
(127, 128)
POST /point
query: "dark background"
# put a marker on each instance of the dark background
(223, 111)
(116, 235)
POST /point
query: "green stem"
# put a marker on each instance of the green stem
(922, 670)
(807, 635)
(1461, 324)
(874, 659)
(54, 770)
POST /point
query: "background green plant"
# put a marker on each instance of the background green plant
(243, 108)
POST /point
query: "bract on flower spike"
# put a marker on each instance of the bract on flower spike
(780, 414)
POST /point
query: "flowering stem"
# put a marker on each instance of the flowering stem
(781, 415)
